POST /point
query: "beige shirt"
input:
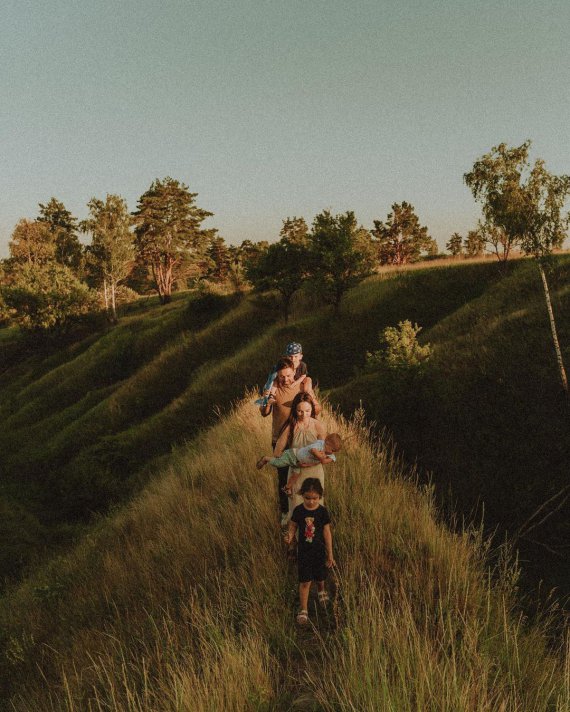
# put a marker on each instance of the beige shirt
(282, 406)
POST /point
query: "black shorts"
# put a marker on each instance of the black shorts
(311, 569)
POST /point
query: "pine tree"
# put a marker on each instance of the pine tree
(401, 239)
(168, 232)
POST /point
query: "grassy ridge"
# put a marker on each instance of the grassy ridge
(181, 601)
(488, 417)
(83, 425)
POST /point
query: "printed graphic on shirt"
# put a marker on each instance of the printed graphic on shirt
(309, 529)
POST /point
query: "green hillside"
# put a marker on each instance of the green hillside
(182, 601)
(85, 425)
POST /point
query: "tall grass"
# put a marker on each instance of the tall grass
(182, 601)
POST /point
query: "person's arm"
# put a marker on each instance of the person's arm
(265, 410)
(320, 456)
(290, 536)
(320, 429)
(327, 536)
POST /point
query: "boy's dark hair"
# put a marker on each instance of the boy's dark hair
(334, 440)
(312, 484)
(284, 362)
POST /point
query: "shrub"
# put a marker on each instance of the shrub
(44, 298)
(401, 348)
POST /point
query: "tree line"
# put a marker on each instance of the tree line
(51, 278)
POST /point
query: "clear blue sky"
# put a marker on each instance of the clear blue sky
(276, 108)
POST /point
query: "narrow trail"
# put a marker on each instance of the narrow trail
(309, 640)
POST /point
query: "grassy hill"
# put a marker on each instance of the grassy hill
(85, 425)
(181, 601)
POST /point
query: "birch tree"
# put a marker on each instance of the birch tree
(525, 202)
(111, 252)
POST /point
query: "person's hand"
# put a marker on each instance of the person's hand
(330, 562)
(287, 538)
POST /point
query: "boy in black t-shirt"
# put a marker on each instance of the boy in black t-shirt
(315, 554)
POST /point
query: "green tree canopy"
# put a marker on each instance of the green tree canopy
(63, 226)
(341, 254)
(46, 297)
(111, 253)
(32, 243)
(243, 258)
(526, 203)
(283, 266)
(169, 237)
(218, 260)
(455, 245)
(295, 231)
(474, 245)
(401, 239)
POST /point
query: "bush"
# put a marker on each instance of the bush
(401, 350)
(44, 298)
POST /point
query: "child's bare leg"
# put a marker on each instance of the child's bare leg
(322, 595)
(304, 589)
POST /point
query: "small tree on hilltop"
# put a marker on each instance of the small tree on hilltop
(497, 239)
(111, 253)
(284, 265)
(401, 239)
(46, 298)
(295, 231)
(63, 226)
(168, 232)
(474, 245)
(341, 254)
(455, 245)
(242, 258)
(32, 243)
(526, 203)
(218, 258)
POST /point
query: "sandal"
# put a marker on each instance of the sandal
(303, 617)
(323, 597)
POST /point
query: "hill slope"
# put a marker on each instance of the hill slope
(84, 425)
(181, 601)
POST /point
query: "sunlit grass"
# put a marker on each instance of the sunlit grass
(182, 600)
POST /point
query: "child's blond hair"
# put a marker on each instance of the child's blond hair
(334, 441)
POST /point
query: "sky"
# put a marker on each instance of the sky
(277, 108)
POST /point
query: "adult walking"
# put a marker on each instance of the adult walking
(301, 429)
(279, 404)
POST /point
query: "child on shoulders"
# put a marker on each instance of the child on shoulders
(294, 351)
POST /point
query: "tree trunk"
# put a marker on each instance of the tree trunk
(105, 297)
(113, 303)
(563, 377)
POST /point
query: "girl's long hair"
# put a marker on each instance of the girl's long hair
(292, 420)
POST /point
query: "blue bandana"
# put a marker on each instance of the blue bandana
(293, 348)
